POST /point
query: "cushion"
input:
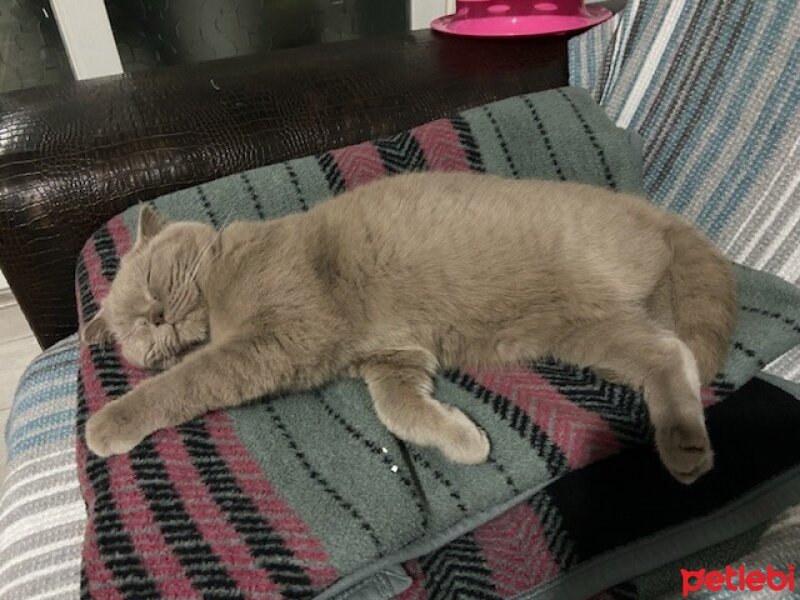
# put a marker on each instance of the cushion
(308, 495)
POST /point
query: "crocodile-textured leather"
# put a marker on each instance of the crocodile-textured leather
(74, 155)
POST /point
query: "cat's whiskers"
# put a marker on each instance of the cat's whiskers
(130, 334)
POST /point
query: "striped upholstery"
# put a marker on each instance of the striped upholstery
(778, 547)
(713, 89)
(42, 515)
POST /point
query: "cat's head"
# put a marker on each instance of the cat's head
(155, 309)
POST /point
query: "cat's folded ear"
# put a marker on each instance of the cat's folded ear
(96, 331)
(150, 224)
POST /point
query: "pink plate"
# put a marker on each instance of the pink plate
(490, 18)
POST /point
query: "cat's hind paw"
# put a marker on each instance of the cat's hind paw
(462, 441)
(685, 450)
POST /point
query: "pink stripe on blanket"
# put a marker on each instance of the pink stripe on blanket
(120, 234)
(251, 479)
(515, 549)
(359, 164)
(441, 146)
(98, 285)
(416, 591)
(582, 435)
(145, 533)
(131, 505)
(206, 515)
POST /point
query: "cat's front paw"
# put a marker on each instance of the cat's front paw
(114, 429)
(685, 450)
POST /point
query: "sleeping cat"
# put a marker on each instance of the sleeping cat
(398, 278)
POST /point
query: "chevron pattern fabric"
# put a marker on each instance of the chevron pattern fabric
(288, 497)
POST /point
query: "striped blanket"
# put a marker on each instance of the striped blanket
(309, 496)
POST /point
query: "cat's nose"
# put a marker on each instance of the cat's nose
(157, 317)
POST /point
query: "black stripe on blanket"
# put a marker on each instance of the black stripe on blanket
(401, 153)
(619, 406)
(301, 199)
(264, 543)
(107, 251)
(208, 575)
(207, 207)
(330, 169)
(468, 144)
(502, 141)
(373, 447)
(88, 306)
(559, 542)
(548, 144)
(457, 571)
(253, 196)
(601, 154)
(113, 541)
(317, 478)
(84, 585)
(773, 315)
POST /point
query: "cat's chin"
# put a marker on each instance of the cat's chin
(163, 363)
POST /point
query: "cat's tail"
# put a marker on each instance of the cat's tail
(703, 291)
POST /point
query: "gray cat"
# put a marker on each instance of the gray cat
(401, 277)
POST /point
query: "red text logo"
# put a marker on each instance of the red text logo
(738, 580)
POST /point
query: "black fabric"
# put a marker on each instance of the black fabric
(629, 496)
